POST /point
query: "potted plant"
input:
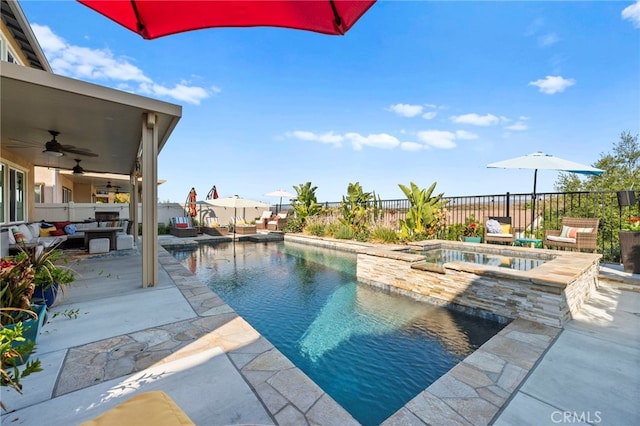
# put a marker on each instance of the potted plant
(471, 231)
(20, 319)
(51, 274)
(630, 245)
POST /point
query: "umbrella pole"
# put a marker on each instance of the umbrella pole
(533, 203)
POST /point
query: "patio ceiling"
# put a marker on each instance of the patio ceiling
(104, 121)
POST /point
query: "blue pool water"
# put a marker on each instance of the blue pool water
(440, 256)
(369, 350)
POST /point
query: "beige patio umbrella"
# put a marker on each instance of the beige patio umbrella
(542, 161)
(279, 193)
(237, 202)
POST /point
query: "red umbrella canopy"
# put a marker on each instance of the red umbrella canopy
(157, 18)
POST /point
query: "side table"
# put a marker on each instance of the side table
(528, 242)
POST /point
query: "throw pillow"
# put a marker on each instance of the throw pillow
(70, 229)
(57, 232)
(571, 232)
(182, 225)
(60, 225)
(505, 228)
(493, 227)
(46, 232)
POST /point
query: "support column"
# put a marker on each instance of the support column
(149, 201)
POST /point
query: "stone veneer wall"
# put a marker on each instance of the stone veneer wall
(549, 294)
(505, 294)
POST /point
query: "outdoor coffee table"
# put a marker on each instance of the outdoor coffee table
(528, 242)
(106, 232)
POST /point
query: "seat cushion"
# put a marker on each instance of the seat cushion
(561, 239)
(501, 235)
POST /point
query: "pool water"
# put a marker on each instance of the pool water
(369, 350)
(441, 256)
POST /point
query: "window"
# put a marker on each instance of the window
(39, 192)
(12, 196)
(66, 195)
(6, 52)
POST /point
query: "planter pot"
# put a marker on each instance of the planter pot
(630, 251)
(31, 328)
(47, 296)
(472, 239)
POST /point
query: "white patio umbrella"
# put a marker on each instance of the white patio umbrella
(542, 161)
(279, 193)
(237, 203)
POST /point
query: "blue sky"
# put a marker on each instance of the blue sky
(415, 92)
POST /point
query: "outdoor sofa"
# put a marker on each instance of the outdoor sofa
(213, 227)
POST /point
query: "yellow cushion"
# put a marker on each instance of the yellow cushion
(506, 228)
(241, 222)
(46, 232)
(153, 408)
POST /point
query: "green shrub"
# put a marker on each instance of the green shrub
(294, 224)
(362, 235)
(331, 229)
(343, 232)
(315, 228)
(384, 234)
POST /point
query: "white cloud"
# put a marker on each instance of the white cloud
(517, 126)
(632, 13)
(328, 138)
(406, 110)
(438, 138)
(100, 65)
(548, 39)
(429, 115)
(380, 140)
(413, 146)
(553, 84)
(463, 134)
(475, 119)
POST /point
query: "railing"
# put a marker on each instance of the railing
(612, 207)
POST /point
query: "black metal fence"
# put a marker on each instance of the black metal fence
(614, 208)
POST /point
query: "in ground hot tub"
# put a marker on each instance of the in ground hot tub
(546, 286)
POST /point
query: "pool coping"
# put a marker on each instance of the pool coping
(476, 390)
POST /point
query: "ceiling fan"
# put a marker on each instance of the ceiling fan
(56, 149)
(77, 169)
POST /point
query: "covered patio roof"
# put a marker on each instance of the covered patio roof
(120, 128)
(94, 118)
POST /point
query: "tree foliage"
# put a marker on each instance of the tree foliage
(621, 170)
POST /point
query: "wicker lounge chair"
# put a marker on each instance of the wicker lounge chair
(213, 227)
(506, 236)
(576, 233)
(277, 224)
(179, 229)
(261, 222)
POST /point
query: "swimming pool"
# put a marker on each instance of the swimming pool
(369, 350)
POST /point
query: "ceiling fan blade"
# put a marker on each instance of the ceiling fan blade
(79, 151)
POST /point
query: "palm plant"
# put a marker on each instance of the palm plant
(422, 216)
(305, 203)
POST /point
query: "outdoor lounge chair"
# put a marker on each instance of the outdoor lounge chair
(213, 227)
(181, 227)
(505, 236)
(242, 227)
(277, 224)
(261, 222)
(576, 233)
